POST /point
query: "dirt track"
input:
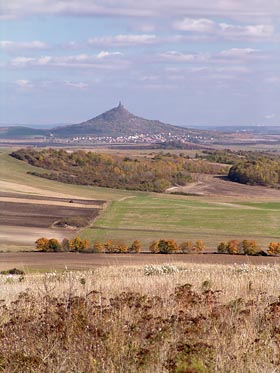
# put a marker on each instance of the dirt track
(56, 261)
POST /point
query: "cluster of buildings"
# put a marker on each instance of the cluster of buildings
(142, 138)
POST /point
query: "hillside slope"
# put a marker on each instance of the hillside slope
(116, 122)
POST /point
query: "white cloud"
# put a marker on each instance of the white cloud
(270, 116)
(75, 61)
(104, 54)
(123, 40)
(47, 84)
(226, 30)
(250, 31)
(25, 84)
(175, 56)
(79, 85)
(144, 8)
(196, 25)
(32, 45)
(239, 53)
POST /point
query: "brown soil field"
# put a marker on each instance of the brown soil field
(39, 215)
(214, 185)
(24, 217)
(84, 202)
(60, 261)
(22, 238)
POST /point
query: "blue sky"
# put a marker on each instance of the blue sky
(185, 62)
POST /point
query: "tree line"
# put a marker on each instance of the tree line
(161, 246)
(248, 167)
(150, 173)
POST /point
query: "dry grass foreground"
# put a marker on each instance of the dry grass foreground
(165, 318)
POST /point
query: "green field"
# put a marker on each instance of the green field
(153, 217)
(148, 216)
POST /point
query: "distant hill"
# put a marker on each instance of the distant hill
(15, 132)
(113, 123)
(259, 130)
(116, 122)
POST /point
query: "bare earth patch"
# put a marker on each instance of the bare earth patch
(24, 217)
(207, 185)
(58, 261)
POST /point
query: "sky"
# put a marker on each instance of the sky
(184, 62)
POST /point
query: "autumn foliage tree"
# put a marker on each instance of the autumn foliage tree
(114, 171)
(164, 247)
(250, 247)
(154, 247)
(42, 244)
(45, 244)
(109, 246)
(135, 247)
(199, 246)
(247, 247)
(54, 245)
(77, 244)
(98, 247)
(222, 248)
(186, 247)
(274, 248)
(233, 247)
(115, 246)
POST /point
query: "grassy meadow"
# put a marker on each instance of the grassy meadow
(189, 218)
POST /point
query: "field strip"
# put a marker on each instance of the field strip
(204, 233)
(74, 261)
(22, 188)
(53, 203)
(28, 235)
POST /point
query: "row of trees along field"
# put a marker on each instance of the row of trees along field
(156, 172)
(249, 167)
(247, 247)
(162, 246)
(117, 246)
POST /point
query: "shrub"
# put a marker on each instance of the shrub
(165, 269)
(13, 271)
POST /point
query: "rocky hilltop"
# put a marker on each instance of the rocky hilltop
(116, 122)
